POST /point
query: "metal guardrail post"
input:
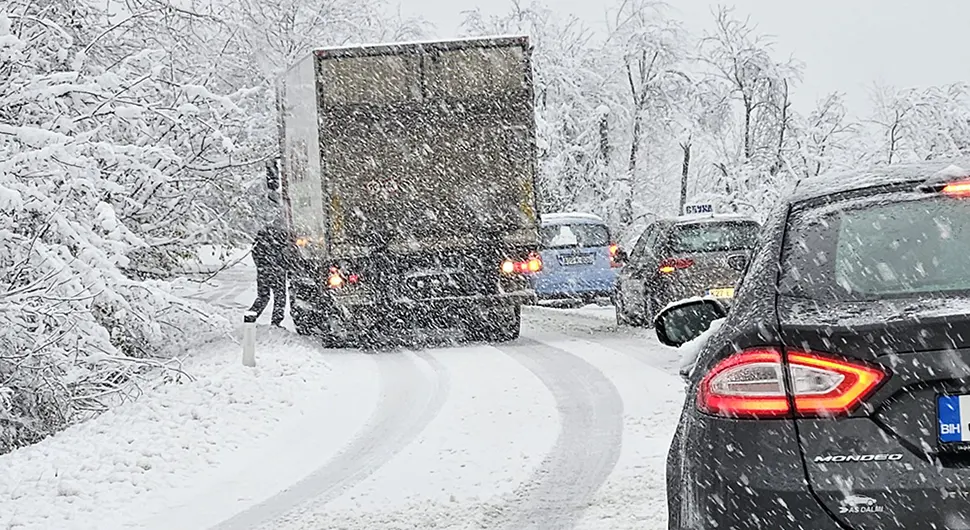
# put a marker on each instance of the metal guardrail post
(249, 339)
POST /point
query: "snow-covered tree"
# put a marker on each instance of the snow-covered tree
(753, 160)
(920, 124)
(652, 49)
(702, 114)
(101, 170)
(825, 137)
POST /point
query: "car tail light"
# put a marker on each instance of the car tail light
(670, 265)
(751, 384)
(827, 386)
(532, 264)
(335, 280)
(957, 189)
(614, 248)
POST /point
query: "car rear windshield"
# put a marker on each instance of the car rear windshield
(574, 235)
(885, 246)
(714, 236)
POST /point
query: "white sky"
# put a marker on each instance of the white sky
(845, 45)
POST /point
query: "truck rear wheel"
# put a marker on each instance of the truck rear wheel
(313, 324)
(501, 324)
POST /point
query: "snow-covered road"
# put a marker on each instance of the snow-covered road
(566, 427)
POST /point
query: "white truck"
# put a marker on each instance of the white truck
(408, 180)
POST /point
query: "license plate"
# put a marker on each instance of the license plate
(953, 419)
(727, 292)
(581, 259)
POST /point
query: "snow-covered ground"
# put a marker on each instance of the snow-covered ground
(565, 428)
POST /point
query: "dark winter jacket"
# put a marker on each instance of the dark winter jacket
(272, 247)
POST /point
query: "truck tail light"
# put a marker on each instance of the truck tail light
(530, 265)
(668, 266)
(335, 280)
(751, 384)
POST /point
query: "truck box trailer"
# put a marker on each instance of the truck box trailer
(408, 180)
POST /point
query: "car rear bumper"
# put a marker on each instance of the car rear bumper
(363, 307)
(739, 474)
(764, 509)
(433, 312)
(673, 292)
(560, 286)
(575, 295)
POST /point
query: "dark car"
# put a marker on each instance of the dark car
(682, 257)
(832, 394)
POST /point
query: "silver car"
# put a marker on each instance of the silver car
(681, 258)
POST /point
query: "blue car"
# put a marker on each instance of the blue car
(578, 259)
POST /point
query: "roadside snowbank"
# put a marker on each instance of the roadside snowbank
(146, 456)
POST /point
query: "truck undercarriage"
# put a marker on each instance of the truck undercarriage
(389, 295)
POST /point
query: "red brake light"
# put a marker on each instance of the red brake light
(670, 265)
(751, 385)
(532, 264)
(957, 189)
(748, 384)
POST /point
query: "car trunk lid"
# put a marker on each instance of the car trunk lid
(706, 273)
(885, 461)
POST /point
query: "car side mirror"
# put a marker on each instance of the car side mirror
(687, 320)
(621, 256)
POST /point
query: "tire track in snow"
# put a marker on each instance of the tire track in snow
(584, 454)
(409, 401)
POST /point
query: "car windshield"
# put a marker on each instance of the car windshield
(880, 247)
(574, 235)
(714, 236)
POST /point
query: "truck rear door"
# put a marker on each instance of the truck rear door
(428, 148)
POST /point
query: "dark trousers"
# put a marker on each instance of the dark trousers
(270, 280)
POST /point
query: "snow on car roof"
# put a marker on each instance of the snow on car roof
(571, 217)
(701, 218)
(838, 182)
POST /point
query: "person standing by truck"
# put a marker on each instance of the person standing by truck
(272, 256)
